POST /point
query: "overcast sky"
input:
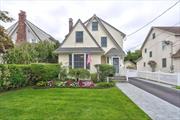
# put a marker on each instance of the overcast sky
(127, 16)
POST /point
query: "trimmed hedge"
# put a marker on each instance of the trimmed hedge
(17, 76)
(106, 70)
(79, 73)
(104, 85)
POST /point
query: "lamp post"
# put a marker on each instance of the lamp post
(171, 44)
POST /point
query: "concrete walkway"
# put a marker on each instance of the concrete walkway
(155, 107)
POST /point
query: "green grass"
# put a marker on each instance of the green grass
(68, 104)
(177, 87)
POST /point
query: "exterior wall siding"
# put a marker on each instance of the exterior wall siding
(71, 40)
(101, 33)
(158, 53)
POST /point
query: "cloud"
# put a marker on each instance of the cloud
(52, 16)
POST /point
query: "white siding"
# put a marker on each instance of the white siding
(158, 53)
(101, 33)
(71, 40)
(96, 59)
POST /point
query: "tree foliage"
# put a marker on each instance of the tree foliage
(5, 41)
(26, 53)
(133, 56)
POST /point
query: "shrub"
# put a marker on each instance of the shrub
(104, 85)
(44, 72)
(17, 77)
(79, 73)
(106, 70)
(94, 77)
(41, 84)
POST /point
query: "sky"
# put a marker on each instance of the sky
(126, 15)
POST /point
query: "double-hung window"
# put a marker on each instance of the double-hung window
(103, 41)
(79, 36)
(94, 26)
(78, 61)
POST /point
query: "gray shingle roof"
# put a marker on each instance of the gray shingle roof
(175, 30)
(113, 52)
(79, 50)
(39, 33)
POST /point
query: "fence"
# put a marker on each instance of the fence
(168, 78)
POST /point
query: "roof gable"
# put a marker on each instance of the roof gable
(36, 31)
(94, 17)
(88, 39)
(169, 30)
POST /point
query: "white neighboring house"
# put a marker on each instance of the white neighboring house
(90, 43)
(130, 65)
(25, 31)
(161, 50)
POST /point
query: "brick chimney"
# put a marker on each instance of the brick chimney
(70, 24)
(21, 32)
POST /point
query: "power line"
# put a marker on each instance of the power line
(153, 19)
(156, 37)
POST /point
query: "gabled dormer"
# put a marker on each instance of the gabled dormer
(79, 36)
(106, 35)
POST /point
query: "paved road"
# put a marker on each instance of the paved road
(168, 94)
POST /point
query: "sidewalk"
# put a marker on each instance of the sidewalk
(155, 107)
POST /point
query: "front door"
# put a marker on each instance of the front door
(116, 64)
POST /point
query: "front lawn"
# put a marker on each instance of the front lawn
(68, 104)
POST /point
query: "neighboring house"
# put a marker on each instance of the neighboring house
(161, 50)
(90, 43)
(25, 31)
(129, 65)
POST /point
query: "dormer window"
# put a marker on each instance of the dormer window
(79, 36)
(94, 26)
(153, 36)
(103, 41)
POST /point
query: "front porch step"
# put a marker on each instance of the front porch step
(120, 78)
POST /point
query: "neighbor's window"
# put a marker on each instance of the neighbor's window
(79, 36)
(163, 45)
(103, 41)
(150, 54)
(145, 50)
(94, 26)
(78, 60)
(153, 36)
(164, 62)
(144, 64)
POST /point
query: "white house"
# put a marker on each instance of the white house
(161, 50)
(92, 42)
(25, 31)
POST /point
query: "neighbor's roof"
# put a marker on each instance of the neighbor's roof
(174, 30)
(177, 54)
(39, 33)
(79, 50)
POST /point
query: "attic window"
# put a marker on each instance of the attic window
(79, 36)
(94, 26)
(153, 36)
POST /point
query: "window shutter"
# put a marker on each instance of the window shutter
(87, 64)
(70, 60)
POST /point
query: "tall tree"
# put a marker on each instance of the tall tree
(5, 41)
(133, 56)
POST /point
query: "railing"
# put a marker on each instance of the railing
(168, 78)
